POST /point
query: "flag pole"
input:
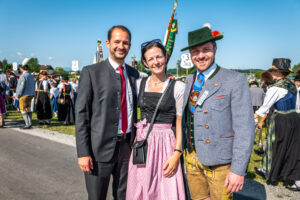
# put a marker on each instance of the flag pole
(170, 24)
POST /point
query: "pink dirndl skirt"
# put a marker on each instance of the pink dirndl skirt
(2, 104)
(146, 182)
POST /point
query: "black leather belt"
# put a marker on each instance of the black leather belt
(120, 137)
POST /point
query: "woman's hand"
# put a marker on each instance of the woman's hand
(171, 165)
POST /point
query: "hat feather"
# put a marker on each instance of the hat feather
(25, 61)
(207, 25)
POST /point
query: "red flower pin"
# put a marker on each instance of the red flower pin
(215, 33)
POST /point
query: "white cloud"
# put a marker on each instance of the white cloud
(50, 58)
(19, 54)
(32, 55)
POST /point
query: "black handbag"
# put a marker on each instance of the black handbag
(140, 148)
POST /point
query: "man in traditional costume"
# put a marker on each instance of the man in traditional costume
(25, 93)
(218, 122)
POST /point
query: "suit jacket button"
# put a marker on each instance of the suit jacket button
(207, 141)
(205, 111)
(206, 126)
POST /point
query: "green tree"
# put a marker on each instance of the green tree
(60, 71)
(296, 68)
(257, 75)
(33, 65)
(141, 68)
(6, 65)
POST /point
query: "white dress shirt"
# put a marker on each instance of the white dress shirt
(129, 100)
(207, 73)
(298, 100)
(273, 95)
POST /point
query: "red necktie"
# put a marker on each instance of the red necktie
(124, 122)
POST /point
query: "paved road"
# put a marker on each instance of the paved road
(33, 168)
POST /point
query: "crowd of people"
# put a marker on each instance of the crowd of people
(47, 95)
(164, 139)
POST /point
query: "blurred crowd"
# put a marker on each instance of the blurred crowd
(48, 95)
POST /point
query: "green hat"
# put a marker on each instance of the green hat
(44, 73)
(201, 36)
(297, 77)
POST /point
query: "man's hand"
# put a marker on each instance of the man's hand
(86, 164)
(234, 182)
(171, 165)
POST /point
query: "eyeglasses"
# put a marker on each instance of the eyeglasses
(146, 43)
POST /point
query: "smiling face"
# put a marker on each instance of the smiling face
(203, 56)
(155, 60)
(118, 45)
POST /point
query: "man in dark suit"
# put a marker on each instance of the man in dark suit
(105, 113)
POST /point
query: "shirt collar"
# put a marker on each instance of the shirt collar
(114, 64)
(207, 73)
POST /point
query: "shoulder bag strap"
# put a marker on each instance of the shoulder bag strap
(157, 107)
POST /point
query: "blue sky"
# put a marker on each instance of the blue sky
(59, 31)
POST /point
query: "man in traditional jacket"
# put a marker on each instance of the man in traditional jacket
(25, 93)
(218, 122)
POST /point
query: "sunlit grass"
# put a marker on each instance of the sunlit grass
(16, 116)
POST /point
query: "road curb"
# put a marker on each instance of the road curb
(43, 133)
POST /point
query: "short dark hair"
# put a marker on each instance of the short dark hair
(151, 45)
(123, 28)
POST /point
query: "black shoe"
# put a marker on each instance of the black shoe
(26, 127)
(294, 187)
(41, 123)
(260, 172)
(259, 151)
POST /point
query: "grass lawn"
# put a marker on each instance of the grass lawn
(56, 125)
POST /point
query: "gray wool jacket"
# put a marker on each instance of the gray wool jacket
(26, 85)
(224, 122)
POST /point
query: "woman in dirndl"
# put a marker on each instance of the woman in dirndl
(282, 153)
(65, 110)
(161, 177)
(43, 105)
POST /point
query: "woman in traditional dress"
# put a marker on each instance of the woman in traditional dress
(282, 155)
(43, 105)
(65, 110)
(161, 177)
(54, 92)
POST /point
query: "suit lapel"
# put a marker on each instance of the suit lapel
(131, 79)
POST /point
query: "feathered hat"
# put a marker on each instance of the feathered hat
(24, 64)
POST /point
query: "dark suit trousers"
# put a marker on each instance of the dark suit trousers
(97, 182)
